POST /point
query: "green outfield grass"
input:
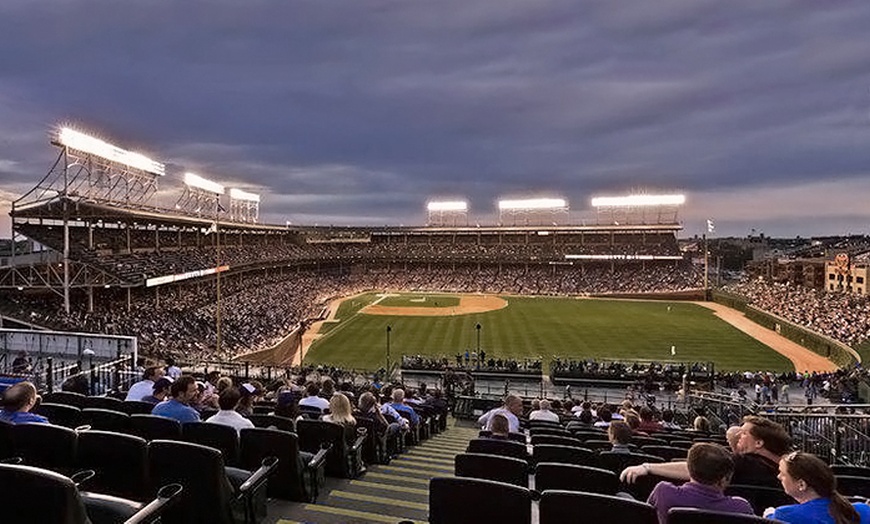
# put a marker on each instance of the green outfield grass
(544, 327)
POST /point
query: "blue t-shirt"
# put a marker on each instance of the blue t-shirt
(21, 417)
(815, 512)
(174, 409)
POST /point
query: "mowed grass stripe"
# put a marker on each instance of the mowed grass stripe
(572, 328)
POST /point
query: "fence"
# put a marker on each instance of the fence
(835, 437)
(100, 379)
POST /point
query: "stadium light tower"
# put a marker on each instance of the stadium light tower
(447, 213)
(244, 206)
(532, 211)
(88, 168)
(633, 209)
(203, 197)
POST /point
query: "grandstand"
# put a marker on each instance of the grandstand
(188, 282)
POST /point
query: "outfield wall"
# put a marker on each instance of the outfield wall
(835, 351)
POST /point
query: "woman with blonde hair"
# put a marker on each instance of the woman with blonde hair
(807, 479)
(340, 411)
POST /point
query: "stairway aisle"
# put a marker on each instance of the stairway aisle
(386, 494)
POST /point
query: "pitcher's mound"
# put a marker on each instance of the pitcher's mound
(467, 304)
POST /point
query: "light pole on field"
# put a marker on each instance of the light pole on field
(477, 327)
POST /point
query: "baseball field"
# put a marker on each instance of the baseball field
(530, 327)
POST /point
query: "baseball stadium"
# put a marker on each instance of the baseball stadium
(106, 287)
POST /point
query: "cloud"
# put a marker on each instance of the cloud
(362, 111)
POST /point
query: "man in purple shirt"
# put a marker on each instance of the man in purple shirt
(18, 400)
(710, 469)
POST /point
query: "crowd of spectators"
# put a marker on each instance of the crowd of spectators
(643, 376)
(472, 361)
(258, 308)
(841, 316)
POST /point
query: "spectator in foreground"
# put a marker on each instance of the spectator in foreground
(398, 404)
(312, 399)
(544, 413)
(161, 391)
(808, 480)
(228, 400)
(710, 468)
(340, 411)
(619, 434)
(511, 409)
(145, 387)
(500, 427)
(762, 443)
(183, 391)
(18, 400)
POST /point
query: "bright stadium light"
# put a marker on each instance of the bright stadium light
(639, 200)
(533, 204)
(447, 206)
(238, 194)
(72, 139)
(198, 182)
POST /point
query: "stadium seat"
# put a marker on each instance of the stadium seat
(31, 495)
(5, 439)
(152, 427)
(344, 459)
(310, 412)
(60, 414)
(106, 419)
(533, 424)
(553, 475)
(641, 441)
(273, 421)
(504, 448)
(558, 441)
(120, 462)
(45, 446)
(223, 438)
(559, 507)
(668, 453)
(102, 403)
(515, 437)
(760, 497)
(296, 477)
(67, 398)
(850, 485)
(551, 431)
(563, 455)
(852, 471)
(598, 445)
(472, 501)
(214, 494)
(375, 448)
(136, 407)
(492, 467)
(700, 516)
(616, 462)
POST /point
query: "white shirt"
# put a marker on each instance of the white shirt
(317, 402)
(543, 414)
(230, 418)
(513, 421)
(140, 390)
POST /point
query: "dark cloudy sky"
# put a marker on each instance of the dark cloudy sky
(357, 112)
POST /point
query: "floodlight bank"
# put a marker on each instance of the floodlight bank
(447, 206)
(533, 204)
(198, 182)
(238, 194)
(639, 200)
(79, 141)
